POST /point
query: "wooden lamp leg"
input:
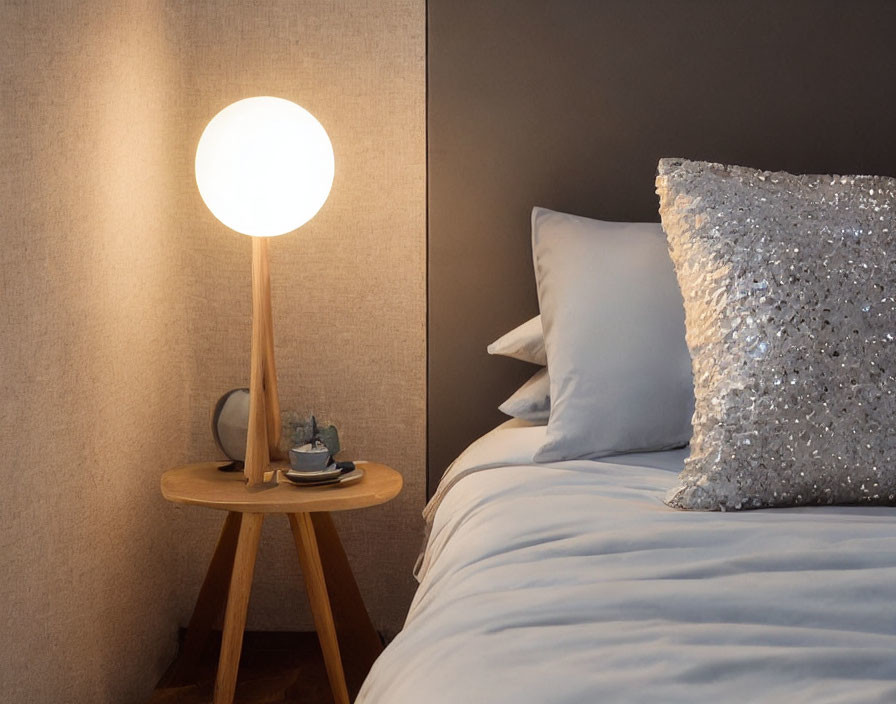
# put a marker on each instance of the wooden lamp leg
(271, 398)
(211, 601)
(353, 624)
(237, 605)
(263, 440)
(316, 586)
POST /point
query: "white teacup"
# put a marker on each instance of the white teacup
(309, 458)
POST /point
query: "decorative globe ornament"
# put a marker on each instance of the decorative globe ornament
(230, 424)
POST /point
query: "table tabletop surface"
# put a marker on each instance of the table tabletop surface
(203, 484)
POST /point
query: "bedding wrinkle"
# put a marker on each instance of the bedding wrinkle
(815, 562)
(740, 662)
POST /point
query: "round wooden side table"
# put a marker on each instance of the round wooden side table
(336, 603)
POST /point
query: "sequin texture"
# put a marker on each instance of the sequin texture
(789, 286)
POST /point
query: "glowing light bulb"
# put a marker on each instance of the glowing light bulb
(264, 166)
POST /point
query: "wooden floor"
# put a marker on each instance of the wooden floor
(276, 668)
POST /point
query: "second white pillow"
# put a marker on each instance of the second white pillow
(613, 317)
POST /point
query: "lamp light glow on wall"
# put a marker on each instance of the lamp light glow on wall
(264, 167)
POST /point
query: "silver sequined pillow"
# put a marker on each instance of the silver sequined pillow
(789, 285)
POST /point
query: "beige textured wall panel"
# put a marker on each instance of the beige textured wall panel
(348, 287)
(124, 313)
(91, 312)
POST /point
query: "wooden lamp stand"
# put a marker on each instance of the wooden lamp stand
(263, 441)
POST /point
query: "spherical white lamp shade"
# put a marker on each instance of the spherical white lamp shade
(264, 166)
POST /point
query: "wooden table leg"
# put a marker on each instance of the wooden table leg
(353, 623)
(237, 604)
(316, 586)
(210, 602)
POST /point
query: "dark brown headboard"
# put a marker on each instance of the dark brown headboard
(569, 103)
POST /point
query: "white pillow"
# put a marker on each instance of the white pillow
(525, 342)
(532, 401)
(613, 320)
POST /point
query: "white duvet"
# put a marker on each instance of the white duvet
(573, 582)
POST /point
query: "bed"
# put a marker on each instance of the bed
(573, 582)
